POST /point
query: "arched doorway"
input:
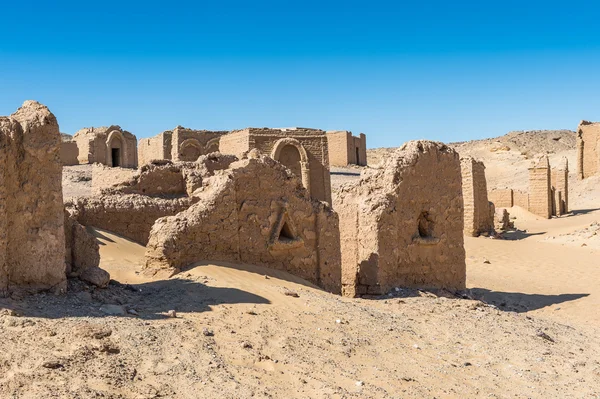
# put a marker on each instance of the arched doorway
(293, 155)
(116, 150)
(190, 150)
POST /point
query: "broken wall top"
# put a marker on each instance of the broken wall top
(102, 132)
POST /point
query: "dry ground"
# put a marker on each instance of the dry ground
(238, 335)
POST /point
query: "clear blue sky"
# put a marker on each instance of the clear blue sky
(397, 71)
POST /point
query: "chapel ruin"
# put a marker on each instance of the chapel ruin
(479, 215)
(304, 151)
(402, 225)
(179, 144)
(68, 150)
(548, 193)
(588, 149)
(346, 149)
(110, 146)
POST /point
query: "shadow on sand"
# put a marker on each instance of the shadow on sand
(583, 211)
(520, 302)
(513, 235)
(150, 300)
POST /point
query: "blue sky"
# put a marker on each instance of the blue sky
(396, 71)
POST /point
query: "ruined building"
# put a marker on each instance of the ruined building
(111, 146)
(304, 151)
(220, 209)
(68, 150)
(540, 191)
(479, 216)
(560, 188)
(548, 193)
(402, 225)
(588, 149)
(254, 212)
(346, 149)
(179, 144)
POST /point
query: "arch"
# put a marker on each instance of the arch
(190, 150)
(122, 152)
(304, 164)
(213, 145)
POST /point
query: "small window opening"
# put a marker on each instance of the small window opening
(285, 234)
(425, 225)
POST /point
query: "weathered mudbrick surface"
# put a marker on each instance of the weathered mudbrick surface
(346, 149)
(402, 225)
(478, 215)
(32, 240)
(560, 186)
(179, 144)
(304, 151)
(502, 198)
(110, 146)
(256, 212)
(540, 193)
(588, 149)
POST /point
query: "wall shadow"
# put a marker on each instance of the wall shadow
(520, 302)
(582, 211)
(514, 235)
(150, 300)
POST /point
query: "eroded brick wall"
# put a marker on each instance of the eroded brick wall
(478, 217)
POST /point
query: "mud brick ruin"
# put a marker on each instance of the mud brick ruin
(588, 149)
(68, 150)
(254, 212)
(110, 146)
(548, 190)
(179, 144)
(34, 253)
(479, 215)
(346, 149)
(304, 151)
(402, 225)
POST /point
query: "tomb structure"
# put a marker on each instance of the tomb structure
(588, 149)
(401, 225)
(540, 189)
(110, 146)
(304, 151)
(478, 215)
(254, 212)
(179, 144)
(346, 149)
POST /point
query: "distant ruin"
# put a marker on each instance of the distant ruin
(346, 149)
(304, 151)
(479, 216)
(68, 150)
(110, 146)
(548, 193)
(402, 225)
(254, 212)
(588, 149)
(179, 144)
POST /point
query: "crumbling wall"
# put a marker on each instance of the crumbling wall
(502, 198)
(478, 218)
(32, 240)
(189, 144)
(560, 185)
(155, 148)
(345, 149)
(402, 224)
(97, 144)
(521, 198)
(104, 177)
(588, 149)
(130, 216)
(255, 213)
(302, 150)
(540, 194)
(69, 153)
